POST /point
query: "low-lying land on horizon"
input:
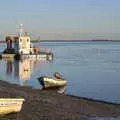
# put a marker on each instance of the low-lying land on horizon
(35, 41)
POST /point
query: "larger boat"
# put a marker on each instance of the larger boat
(10, 105)
(20, 47)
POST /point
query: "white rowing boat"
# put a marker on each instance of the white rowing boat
(10, 105)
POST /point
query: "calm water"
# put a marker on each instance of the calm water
(91, 69)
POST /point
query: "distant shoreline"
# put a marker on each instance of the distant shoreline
(37, 41)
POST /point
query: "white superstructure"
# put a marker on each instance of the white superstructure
(22, 43)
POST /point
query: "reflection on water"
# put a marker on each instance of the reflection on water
(22, 69)
(9, 67)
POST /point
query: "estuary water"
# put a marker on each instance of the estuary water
(92, 69)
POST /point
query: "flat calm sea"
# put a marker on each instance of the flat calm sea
(92, 69)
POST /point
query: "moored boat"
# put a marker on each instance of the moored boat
(10, 105)
(48, 82)
(20, 47)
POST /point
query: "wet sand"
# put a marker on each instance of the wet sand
(50, 105)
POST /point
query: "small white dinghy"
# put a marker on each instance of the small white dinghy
(10, 105)
(48, 82)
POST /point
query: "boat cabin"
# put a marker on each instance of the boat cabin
(22, 45)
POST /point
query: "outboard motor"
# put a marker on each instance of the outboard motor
(57, 75)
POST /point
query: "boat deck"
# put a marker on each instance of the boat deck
(47, 56)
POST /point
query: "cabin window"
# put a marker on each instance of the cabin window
(20, 40)
(21, 52)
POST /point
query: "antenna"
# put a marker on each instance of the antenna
(21, 30)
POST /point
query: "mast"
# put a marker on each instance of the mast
(21, 30)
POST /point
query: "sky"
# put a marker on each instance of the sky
(61, 19)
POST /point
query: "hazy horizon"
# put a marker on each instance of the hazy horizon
(62, 19)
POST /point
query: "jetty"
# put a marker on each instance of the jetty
(20, 47)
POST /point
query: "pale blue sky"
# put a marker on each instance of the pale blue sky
(62, 19)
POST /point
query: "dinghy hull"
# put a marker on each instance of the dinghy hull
(51, 82)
